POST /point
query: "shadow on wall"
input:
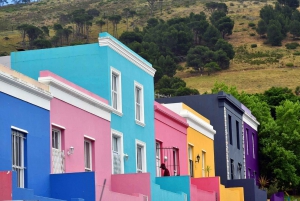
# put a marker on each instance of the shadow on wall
(277, 197)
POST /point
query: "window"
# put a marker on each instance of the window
(175, 162)
(116, 98)
(232, 168)
(230, 129)
(139, 103)
(237, 135)
(191, 163)
(253, 146)
(57, 152)
(247, 141)
(140, 156)
(249, 173)
(203, 163)
(158, 159)
(117, 152)
(88, 155)
(18, 156)
(254, 175)
(240, 170)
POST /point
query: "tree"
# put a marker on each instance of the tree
(211, 36)
(216, 16)
(294, 4)
(199, 56)
(45, 30)
(295, 28)
(214, 6)
(226, 47)
(66, 33)
(93, 12)
(222, 59)
(267, 13)
(261, 27)
(130, 37)
(22, 29)
(115, 19)
(42, 43)
(225, 26)
(33, 33)
(212, 67)
(2, 2)
(274, 33)
(100, 23)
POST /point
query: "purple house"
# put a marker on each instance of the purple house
(250, 144)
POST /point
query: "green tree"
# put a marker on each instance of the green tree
(212, 67)
(295, 28)
(261, 27)
(267, 13)
(100, 23)
(45, 30)
(226, 47)
(274, 33)
(42, 43)
(225, 26)
(294, 4)
(211, 36)
(33, 33)
(216, 16)
(199, 56)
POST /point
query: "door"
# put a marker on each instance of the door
(116, 149)
(57, 153)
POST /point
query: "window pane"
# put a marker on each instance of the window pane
(139, 158)
(138, 112)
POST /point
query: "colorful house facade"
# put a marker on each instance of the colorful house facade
(251, 144)
(114, 72)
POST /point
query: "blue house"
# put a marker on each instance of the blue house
(226, 116)
(24, 133)
(114, 72)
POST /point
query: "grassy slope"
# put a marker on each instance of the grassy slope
(250, 78)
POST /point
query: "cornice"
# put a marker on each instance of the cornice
(225, 97)
(74, 92)
(250, 121)
(128, 54)
(158, 109)
(13, 81)
(198, 124)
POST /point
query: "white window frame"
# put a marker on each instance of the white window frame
(91, 155)
(203, 163)
(114, 71)
(59, 138)
(115, 133)
(19, 168)
(140, 121)
(191, 158)
(144, 159)
(158, 158)
(253, 146)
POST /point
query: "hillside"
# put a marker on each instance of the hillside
(252, 70)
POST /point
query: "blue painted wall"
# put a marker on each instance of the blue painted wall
(212, 107)
(79, 185)
(89, 67)
(18, 113)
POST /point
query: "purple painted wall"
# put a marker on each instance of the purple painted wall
(277, 197)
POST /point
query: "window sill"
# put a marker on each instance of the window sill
(139, 123)
(117, 112)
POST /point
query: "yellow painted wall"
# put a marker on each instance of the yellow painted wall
(201, 143)
(230, 194)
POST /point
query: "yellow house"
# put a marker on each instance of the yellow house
(200, 138)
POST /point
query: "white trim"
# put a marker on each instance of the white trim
(193, 121)
(140, 122)
(88, 137)
(198, 124)
(77, 98)
(119, 135)
(24, 91)
(19, 129)
(117, 111)
(204, 150)
(58, 126)
(191, 144)
(131, 56)
(253, 123)
(143, 144)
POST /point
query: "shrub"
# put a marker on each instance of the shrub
(253, 45)
(231, 4)
(241, 23)
(244, 29)
(289, 64)
(251, 24)
(291, 45)
(296, 53)
(252, 34)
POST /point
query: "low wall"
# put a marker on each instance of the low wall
(251, 191)
(199, 195)
(277, 197)
(131, 184)
(161, 194)
(6, 185)
(73, 185)
(211, 184)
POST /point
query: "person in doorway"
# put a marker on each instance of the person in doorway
(166, 171)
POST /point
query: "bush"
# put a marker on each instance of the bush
(296, 53)
(231, 4)
(291, 45)
(252, 34)
(289, 64)
(242, 23)
(253, 45)
(251, 24)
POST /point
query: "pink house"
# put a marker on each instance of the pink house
(171, 141)
(81, 135)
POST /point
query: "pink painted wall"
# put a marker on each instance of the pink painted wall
(6, 185)
(171, 131)
(200, 195)
(132, 184)
(79, 123)
(211, 184)
(50, 74)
